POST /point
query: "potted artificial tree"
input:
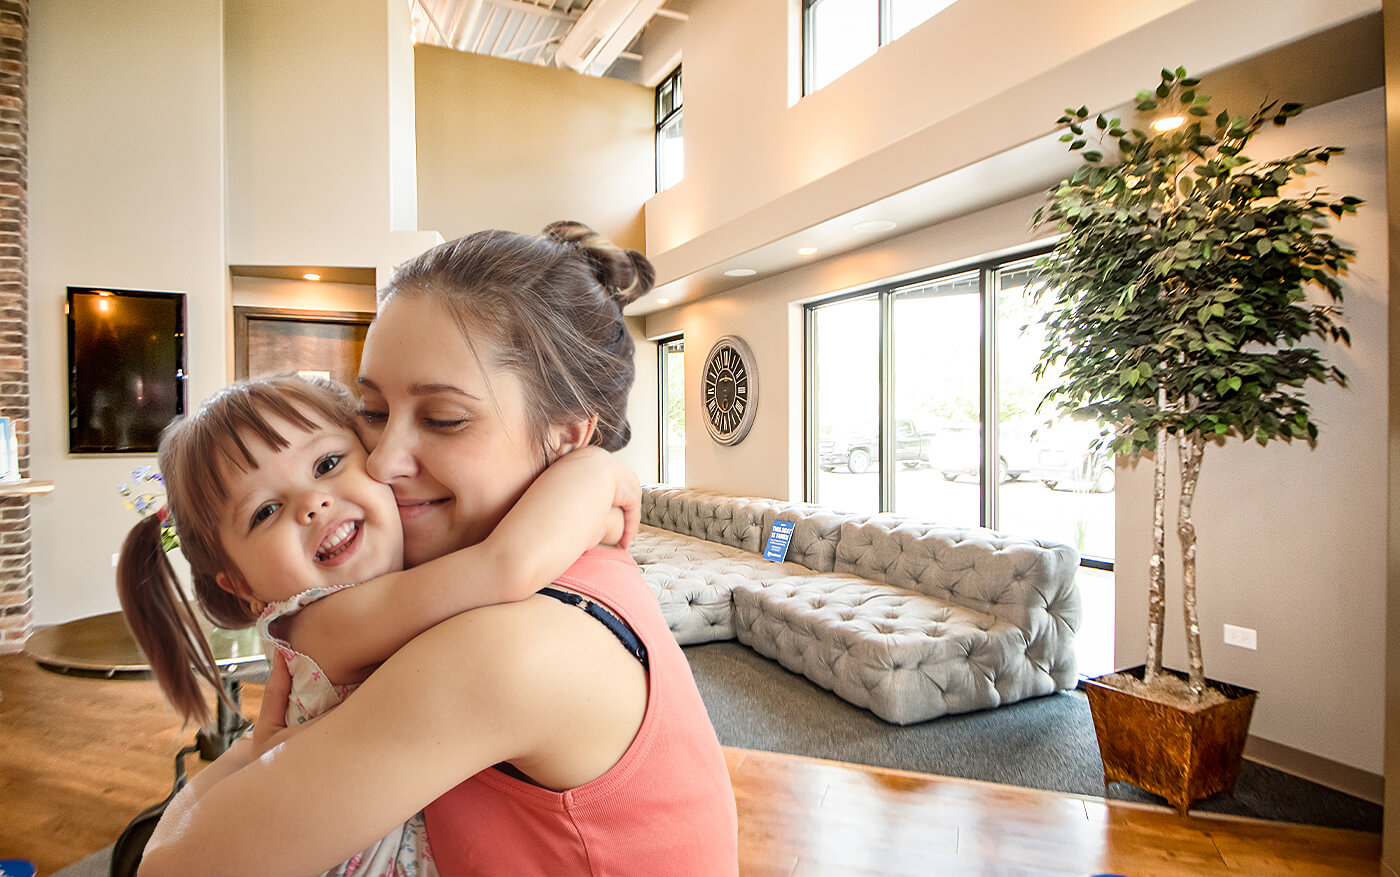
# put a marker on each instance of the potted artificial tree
(1176, 299)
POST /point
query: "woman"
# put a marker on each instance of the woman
(559, 735)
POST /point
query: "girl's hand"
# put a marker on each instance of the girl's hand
(272, 716)
(628, 501)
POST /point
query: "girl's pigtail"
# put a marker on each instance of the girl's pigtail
(164, 623)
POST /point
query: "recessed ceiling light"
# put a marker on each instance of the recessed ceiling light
(740, 272)
(311, 276)
(1170, 123)
(663, 301)
(874, 225)
(806, 251)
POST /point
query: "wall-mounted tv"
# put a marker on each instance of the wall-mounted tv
(126, 368)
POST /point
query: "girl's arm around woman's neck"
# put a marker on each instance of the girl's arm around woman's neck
(498, 684)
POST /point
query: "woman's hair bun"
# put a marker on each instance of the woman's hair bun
(626, 275)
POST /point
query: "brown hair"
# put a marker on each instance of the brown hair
(194, 459)
(551, 304)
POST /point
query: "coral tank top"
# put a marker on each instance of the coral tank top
(666, 808)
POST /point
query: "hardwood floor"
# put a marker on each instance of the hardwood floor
(80, 756)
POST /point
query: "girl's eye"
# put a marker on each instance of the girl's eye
(263, 513)
(327, 463)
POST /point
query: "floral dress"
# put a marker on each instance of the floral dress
(404, 852)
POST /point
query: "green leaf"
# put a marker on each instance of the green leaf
(1092, 155)
(1262, 246)
(1167, 75)
(1163, 90)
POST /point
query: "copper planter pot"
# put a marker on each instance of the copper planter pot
(1179, 754)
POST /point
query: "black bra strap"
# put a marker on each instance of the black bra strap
(629, 639)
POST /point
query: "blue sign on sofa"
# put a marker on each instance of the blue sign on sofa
(778, 540)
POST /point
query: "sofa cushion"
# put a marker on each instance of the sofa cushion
(815, 532)
(904, 656)
(693, 580)
(1027, 583)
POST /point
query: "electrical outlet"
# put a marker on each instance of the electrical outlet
(1244, 637)
(116, 557)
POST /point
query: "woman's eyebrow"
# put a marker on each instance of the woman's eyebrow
(421, 389)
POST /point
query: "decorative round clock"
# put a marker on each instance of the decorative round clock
(729, 390)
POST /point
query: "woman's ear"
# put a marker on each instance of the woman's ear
(567, 437)
(236, 586)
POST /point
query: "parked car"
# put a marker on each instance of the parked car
(860, 452)
(956, 450)
(1068, 455)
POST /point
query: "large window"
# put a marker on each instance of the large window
(839, 34)
(670, 140)
(671, 374)
(922, 401)
(936, 376)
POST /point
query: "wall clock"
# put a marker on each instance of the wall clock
(729, 390)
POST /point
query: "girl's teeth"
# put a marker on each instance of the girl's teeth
(336, 541)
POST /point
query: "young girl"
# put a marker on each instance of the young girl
(276, 515)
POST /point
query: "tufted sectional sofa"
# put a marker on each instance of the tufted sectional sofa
(908, 620)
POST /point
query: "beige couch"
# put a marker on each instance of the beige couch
(906, 619)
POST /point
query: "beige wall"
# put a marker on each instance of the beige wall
(320, 128)
(957, 89)
(125, 190)
(503, 144)
(642, 454)
(302, 295)
(1292, 538)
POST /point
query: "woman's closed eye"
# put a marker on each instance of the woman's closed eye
(369, 415)
(445, 423)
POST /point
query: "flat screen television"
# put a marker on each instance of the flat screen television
(126, 368)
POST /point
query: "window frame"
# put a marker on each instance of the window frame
(884, 21)
(663, 346)
(674, 80)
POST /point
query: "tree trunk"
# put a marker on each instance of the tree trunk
(1156, 565)
(1191, 448)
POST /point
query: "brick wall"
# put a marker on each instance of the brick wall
(16, 580)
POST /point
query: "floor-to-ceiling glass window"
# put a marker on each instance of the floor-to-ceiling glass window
(844, 360)
(938, 374)
(936, 338)
(671, 375)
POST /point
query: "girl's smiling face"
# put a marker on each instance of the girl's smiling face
(450, 435)
(307, 515)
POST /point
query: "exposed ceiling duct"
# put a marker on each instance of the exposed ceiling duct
(602, 33)
(578, 34)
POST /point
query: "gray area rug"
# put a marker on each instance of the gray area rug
(1045, 743)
